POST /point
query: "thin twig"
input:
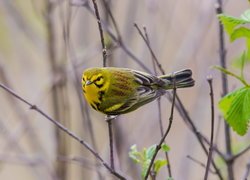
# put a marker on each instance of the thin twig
(158, 147)
(215, 148)
(183, 112)
(104, 50)
(109, 120)
(210, 154)
(61, 127)
(119, 41)
(104, 53)
(119, 37)
(146, 37)
(150, 49)
(222, 51)
(240, 153)
(27, 127)
(199, 163)
(111, 144)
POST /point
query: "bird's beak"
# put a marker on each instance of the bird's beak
(88, 82)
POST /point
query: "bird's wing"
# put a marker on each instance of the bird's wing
(149, 88)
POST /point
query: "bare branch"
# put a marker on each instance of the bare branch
(158, 147)
(150, 49)
(61, 127)
(210, 154)
(104, 50)
(222, 51)
(199, 163)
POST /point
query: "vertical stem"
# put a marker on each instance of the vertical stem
(193, 128)
(162, 134)
(222, 51)
(104, 51)
(209, 158)
(111, 144)
(104, 54)
(154, 61)
(158, 147)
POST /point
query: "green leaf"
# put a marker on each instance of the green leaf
(134, 158)
(158, 164)
(234, 26)
(235, 108)
(150, 152)
(241, 32)
(145, 166)
(144, 157)
(230, 22)
(165, 147)
(133, 148)
(134, 154)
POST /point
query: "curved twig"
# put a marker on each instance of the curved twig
(61, 127)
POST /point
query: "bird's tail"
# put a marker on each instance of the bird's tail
(181, 79)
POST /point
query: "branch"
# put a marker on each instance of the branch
(183, 112)
(119, 41)
(239, 154)
(222, 51)
(119, 37)
(215, 148)
(104, 50)
(61, 127)
(158, 147)
(210, 154)
(150, 49)
(154, 60)
(199, 163)
(109, 120)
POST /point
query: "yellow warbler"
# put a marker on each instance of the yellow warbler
(115, 91)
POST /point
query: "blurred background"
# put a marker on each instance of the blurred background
(46, 45)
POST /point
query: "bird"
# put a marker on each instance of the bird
(114, 91)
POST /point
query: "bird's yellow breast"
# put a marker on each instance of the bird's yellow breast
(91, 94)
(94, 88)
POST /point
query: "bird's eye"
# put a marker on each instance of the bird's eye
(99, 78)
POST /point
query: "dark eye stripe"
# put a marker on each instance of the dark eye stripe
(99, 82)
(96, 78)
(99, 78)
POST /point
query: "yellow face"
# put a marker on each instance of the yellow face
(93, 88)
